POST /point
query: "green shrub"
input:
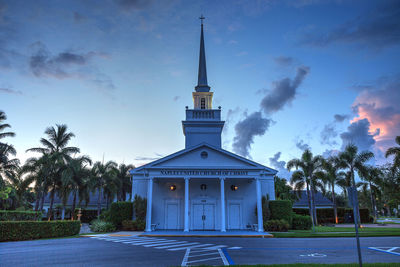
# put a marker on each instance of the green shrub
(327, 215)
(120, 211)
(301, 222)
(281, 209)
(27, 230)
(12, 215)
(136, 225)
(140, 208)
(105, 215)
(276, 225)
(102, 226)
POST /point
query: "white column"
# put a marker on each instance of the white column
(186, 227)
(149, 204)
(222, 182)
(259, 206)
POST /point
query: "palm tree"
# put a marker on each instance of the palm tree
(8, 167)
(39, 169)
(56, 146)
(353, 161)
(372, 176)
(73, 178)
(331, 175)
(395, 151)
(102, 177)
(3, 126)
(306, 169)
(125, 181)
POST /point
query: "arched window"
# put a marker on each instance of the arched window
(203, 103)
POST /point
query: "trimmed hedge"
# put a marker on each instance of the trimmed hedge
(27, 230)
(276, 226)
(301, 222)
(120, 211)
(13, 215)
(281, 209)
(344, 215)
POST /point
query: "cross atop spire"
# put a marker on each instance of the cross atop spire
(202, 18)
(202, 85)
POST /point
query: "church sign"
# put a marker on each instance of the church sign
(204, 172)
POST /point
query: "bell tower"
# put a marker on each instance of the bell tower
(203, 124)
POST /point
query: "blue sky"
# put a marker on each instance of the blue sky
(120, 73)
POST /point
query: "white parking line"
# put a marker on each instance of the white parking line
(185, 258)
(197, 246)
(208, 259)
(179, 245)
(225, 261)
(162, 244)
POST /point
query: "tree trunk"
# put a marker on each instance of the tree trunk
(37, 200)
(44, 193)
(50, 211)
(373, 202)
(63, 213)
(99, 203)
(314, 208)
(107, 201)
(334, 204)
(309, 204)
(73, 207)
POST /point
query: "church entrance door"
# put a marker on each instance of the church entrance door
(203, 216)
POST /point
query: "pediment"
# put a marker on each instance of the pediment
(204, 156)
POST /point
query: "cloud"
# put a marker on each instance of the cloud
(280, 165)
(42, 63)
(157, 156)
(301, 145)
(329, 131)
(133, 4)
(283, 91)
(358, 134)
(10, 91)
(330, 153)
(283, 61)
(340, 118)
(327, 134)
(246, 129)
(68, 64)
(176, 98)
(78, 18)
(378, 28)
(379, 105)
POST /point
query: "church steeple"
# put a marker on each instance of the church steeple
(202, 97)
(202, 85)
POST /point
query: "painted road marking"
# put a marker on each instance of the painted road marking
(196, 246)
(179, 245)
(315, 255)
(205, 256)
(159, 243)
(390, 250)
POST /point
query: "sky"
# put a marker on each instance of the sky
(289, 75)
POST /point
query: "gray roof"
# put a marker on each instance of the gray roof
(92, 201)
(320, 200)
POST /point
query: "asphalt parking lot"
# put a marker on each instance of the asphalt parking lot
(157, 251)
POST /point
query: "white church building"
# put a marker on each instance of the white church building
(203, 187)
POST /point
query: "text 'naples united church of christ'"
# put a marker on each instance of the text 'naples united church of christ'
(203, 187)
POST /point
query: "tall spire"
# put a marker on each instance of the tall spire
(202, 85)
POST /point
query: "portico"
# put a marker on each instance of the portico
(203, 187)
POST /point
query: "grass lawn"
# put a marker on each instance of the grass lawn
(328, 231)
(324, 265)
